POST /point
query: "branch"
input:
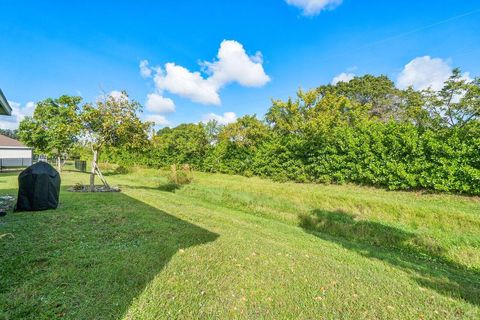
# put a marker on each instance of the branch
(469, 118)
(449, 110)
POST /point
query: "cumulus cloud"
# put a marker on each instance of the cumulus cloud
(117, 95)
(159, 104)
(226, 118)
(314, 7)
(145, 70)
(158, 119)
(343, 77)
(190, 85)
(18, 114)
(424, 72)
(232, 65)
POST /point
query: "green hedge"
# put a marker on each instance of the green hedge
(336, 134)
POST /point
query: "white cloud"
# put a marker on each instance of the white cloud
(18, 114)
(159, 104)
(232, 65)
(191, 85)
(145, 70)
(423, 73)
(117, 95)
(158, 119)
(314, 7)
(342, 77)
(226, 118)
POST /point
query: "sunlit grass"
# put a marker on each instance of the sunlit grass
(235, 247)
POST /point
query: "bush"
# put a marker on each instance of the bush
(121, 170)
(353, 132)
(78, 186)
(180, 176)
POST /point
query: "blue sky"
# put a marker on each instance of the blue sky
(273, 47)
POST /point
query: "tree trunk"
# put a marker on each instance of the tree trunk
(93, 171)
(59, 164)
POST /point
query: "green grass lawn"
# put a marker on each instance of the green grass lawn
(235, 247)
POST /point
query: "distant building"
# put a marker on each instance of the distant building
(13, 153)
(5, 109)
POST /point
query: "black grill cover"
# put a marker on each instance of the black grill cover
(38, 188)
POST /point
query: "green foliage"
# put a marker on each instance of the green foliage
(54, 127)
(114, 122)
(458, 102)
(364, 131)
(188, 143)
(10, 133)
(237, 145)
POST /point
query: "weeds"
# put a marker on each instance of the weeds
(180, 176)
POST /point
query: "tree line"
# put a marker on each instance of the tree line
(60, 126)
(364, 131)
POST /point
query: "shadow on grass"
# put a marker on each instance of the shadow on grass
(165, 187)
(88, 259)
(113, 173)
(422, 258)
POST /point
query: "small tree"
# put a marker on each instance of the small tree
(112, 122)
(53, 128)
(458, 102)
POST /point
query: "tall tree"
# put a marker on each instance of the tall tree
(186, 143)
(237, 144)
(112, 122)
(53, 128)
(379, 93)
(458, 102)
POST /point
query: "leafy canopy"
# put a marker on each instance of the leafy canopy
(54, 127)
(114, 122)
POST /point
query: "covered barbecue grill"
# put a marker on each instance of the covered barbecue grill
(38, 188)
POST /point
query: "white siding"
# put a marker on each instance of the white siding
(15, 153)
(15, 157)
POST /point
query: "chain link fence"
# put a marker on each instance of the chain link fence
(14, 163)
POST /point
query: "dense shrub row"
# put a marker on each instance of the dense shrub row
(365, 131)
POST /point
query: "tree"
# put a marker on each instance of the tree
(186, 143)
(458, 102)
(112, 122)
(10, 133)
(288, 117)
(247, 132)
(212, 129)
(294, 116)
(53, 128)
(414, 110)
(237, 144)
(379, 93)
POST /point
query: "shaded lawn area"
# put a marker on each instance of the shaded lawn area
(88, 259)
(235, 247)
